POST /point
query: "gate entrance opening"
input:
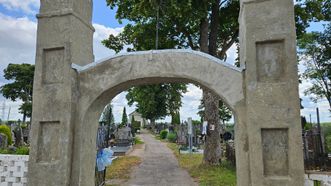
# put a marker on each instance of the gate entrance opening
(70, 92)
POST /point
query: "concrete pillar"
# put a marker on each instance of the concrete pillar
(268, 53)
(64, 37)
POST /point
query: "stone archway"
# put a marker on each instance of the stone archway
(69, 92)
(107, 78)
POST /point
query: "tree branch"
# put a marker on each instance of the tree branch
(222, 53)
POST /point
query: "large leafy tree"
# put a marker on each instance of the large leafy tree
(307, 11)
(225, 113)
(210, 26)
(20, 86)
(188, 24)
(156, 101)
(316, 55)
(150, 101)
(175, 119)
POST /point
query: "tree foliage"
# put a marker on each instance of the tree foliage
(175, 118)
(124, 118)
(307, 11)
(225, 113)
(4, 129)
(208, 26)
(156, 101)
(315, 53)
(20, 86)
(179, 24)
(107, 115)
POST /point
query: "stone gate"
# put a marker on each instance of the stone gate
(70, 92)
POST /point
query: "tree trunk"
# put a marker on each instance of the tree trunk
(214, 24)
(204, 35)
(24, 116)
(212, 151)
(153, 125)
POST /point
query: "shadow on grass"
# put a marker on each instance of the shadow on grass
(221, 175)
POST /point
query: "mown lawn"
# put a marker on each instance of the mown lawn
(121, 167)
(223, 175)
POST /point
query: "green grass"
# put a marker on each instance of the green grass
(138, 141)
(23, 150)
(222, 175)
(158, 137)
(121, 167)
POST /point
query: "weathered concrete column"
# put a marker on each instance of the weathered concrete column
(64, 37)
(268, 52)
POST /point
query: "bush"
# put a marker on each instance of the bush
(172, 137)
(135, 126)
(163, 134)
(328, 143)
(6, 151)
(22, 150)
(4, 129)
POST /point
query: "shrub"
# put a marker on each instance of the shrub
(163, 134)
(22, 150)
(24, 125)
(4, 129)
(6, 151)
(172, 137)
(136, 125)
(328, 143)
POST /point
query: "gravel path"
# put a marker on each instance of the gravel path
(159, 166)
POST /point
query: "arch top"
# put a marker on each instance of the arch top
(155, 66)
(150, 54)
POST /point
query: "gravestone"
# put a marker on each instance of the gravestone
(26, 131)
(123, 141)
(182, 134)
(123, 136)
(3, 141)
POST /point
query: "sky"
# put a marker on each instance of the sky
(18, 41)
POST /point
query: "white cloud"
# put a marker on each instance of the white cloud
(310, 106)
(119, 102)
(27, 6)
(9, 109)
(191, 101)
(102, 32)
(231, 55)
(18, 40)
(18, 45)
(304, 85)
